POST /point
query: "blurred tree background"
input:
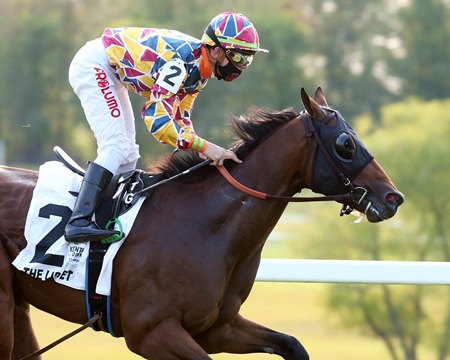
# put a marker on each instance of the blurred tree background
(384, 64)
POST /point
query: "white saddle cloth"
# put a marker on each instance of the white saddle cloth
(47, 254)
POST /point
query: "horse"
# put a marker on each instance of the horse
(191, 258)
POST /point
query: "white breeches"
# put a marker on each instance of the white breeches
(107, 108)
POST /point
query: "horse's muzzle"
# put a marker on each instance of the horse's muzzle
(379, 212)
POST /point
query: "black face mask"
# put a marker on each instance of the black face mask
(229, 72)
(325, 181)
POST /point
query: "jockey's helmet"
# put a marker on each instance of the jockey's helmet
(233, 31)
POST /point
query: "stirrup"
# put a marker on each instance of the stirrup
(114, 237)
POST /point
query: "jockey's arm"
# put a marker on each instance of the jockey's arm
(167, 117)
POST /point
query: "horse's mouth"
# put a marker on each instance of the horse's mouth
(376, 210)
(374, 214)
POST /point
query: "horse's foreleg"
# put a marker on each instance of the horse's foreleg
(242, 336)
(167, 341)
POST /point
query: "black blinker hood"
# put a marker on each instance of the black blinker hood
(325, 180)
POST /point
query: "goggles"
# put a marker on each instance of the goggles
(239, 58)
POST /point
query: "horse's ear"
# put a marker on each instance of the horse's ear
(311, 106)
(319, 96)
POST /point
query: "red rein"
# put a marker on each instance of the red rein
(264, 196)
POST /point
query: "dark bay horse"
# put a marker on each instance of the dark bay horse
(191, 258)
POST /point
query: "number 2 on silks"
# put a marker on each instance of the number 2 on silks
(172, 75)
(41, 256)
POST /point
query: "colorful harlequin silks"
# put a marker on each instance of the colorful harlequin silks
(163, 66)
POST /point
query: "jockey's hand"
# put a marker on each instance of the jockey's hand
(218, 154)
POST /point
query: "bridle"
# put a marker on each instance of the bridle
(355, 195)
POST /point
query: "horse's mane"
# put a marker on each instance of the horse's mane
(249, 129)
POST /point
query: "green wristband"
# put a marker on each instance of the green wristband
(195, 143)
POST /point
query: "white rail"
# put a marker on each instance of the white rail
(354, 271)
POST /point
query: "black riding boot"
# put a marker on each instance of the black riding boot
(80, 227)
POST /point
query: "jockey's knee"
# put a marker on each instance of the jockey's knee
(129, 163)
(112, 157)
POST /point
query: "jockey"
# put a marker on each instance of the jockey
(169, 69)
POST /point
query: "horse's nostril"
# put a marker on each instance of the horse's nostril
(395, 199)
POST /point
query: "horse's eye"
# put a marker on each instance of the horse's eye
(345, 146)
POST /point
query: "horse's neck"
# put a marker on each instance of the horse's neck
(274, 167)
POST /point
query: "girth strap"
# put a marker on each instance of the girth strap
(97, 303)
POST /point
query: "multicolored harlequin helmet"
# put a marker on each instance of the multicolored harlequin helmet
(233, 31)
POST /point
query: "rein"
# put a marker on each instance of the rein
(264, 196)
